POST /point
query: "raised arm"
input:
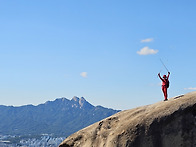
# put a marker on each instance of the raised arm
(168, 75)
(160, 77)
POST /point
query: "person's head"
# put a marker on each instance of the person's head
(164, 76)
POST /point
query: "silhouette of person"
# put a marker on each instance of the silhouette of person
(165, 85)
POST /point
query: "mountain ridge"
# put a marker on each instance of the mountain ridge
(60, 117)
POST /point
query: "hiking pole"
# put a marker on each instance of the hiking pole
(159, 72)
(164, 65)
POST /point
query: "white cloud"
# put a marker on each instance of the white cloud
(83, 74)
(147, 51)
(147, 40)
(190, 88)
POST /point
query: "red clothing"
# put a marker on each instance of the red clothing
(164, 89)
(164, 81)
(164, 85)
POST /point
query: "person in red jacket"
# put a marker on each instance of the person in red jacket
(165, 85)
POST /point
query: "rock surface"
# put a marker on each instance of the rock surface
(163, 124)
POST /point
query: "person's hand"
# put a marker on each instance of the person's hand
(158, 74)
(169, 73)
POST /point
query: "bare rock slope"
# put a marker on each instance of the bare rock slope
(163, 124)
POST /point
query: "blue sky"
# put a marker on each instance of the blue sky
(107, 51)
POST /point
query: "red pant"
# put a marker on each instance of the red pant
(164, 89)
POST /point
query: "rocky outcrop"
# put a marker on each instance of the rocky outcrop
(165, 124)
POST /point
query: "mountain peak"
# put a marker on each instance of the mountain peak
(82, 98)
(81, 103)
(75, 98)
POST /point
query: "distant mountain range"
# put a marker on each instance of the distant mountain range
(59, 117)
